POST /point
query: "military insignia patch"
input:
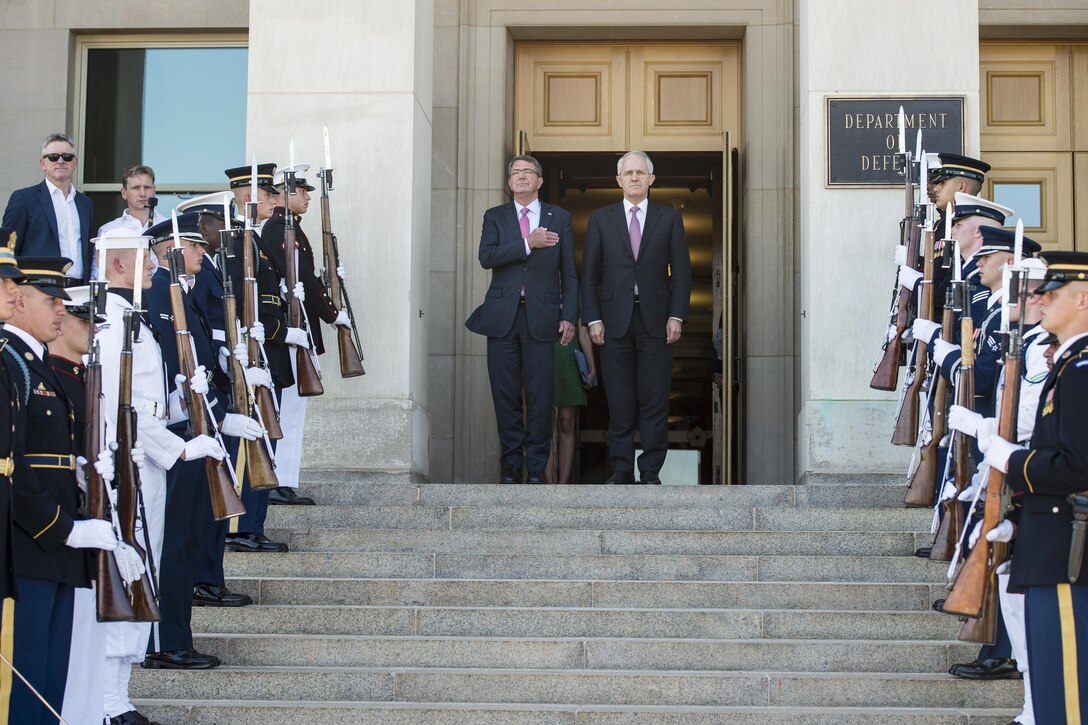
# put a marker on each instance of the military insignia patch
(41, 390)
(1048, 407)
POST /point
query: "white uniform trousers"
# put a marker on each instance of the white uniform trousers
(83, 693)
(292, 421)
(126, 642)
(1012, 609)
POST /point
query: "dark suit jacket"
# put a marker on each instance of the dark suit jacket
(610, 271)
(549, 276)
(207, 294)
(30, 213)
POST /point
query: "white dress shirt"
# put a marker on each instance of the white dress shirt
(32, 342)
(67, 226)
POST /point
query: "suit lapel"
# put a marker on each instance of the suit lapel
(50, 213)
(624, 234)
(649, 225)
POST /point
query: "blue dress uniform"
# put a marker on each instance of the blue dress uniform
(11, 394)
(1055, 466)
(189, 520)
(46, 504)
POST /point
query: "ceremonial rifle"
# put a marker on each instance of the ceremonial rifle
(259, 461)
(974, 593)
(225, 501)
(111, 596)
(307, 376)
(269, 412)
(351, 355)
(886, 373)
(143, 596)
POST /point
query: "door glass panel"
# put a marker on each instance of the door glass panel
(1026, 199)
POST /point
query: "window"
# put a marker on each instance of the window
(1026, 198)
(177, 105)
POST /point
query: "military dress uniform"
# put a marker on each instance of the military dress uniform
(1055, 466)
(46, 507)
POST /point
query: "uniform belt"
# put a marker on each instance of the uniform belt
(272, 300)
(7, 466)
(51, 460)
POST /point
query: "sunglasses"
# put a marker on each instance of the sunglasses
(56, 157)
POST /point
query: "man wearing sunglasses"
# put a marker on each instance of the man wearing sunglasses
(52, 219)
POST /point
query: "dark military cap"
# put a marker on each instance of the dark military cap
(968, 205)
(996, 239)
(8, 265)
(188, 229)
(78, 304)
(240, 176)
(956, 165)
(45, 273)
(1063, 268)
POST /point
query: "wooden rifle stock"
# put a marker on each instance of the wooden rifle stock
(259, 465)
(906, 425)
(111, 599)
(926, 478)
(971, 591)
(951, 529)
(983, 628)
(269, 414)
(307, 377)
(351, 356)
(142, 595)
(225, 501)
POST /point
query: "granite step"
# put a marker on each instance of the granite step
(575, 622)
(587, 687)
(246, 712)
(572, 593)
(308, 650)
(573, 541)
(638, 567)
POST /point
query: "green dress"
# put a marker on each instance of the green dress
(568, 381)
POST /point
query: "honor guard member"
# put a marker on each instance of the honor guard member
(128, 268)
(1051, 476)
(315, 301)
(247, 531)
(956, 174)
(51, 542)
(207, 295)
(10, 396)
(189, 520)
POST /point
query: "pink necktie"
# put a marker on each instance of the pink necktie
(635, 231)
(525, 222)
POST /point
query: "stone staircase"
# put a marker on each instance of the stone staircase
(589, 605)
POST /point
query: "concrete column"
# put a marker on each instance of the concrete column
(846, 237)
(365, 68)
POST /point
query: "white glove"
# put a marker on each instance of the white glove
(257, 332)
(241, 354)
(297, 336)
(997, 451)
(198, 383)
(925, 330)
(203, 446)
(1002, 533)
(300, 292)
(975, 533)
(319, 271)
(341, 272)
(241, 426)
(91, 534)
(342, 319)
(892, 332)
(138, 456)
(104, 465)
(977, 482)
(258, 376)
(964, 420)
(909, 277)
(987, 428)
(900, 255)
(942, 349)
(948, 491)
(129, 563)
(224, 359)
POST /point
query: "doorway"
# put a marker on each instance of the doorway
(703, 437)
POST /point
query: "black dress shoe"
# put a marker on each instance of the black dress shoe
(650, 478)
(938, 605)
(621, 478)
(987, 669)
(922, 552)
(535, 478)
(253, 542)
(209, 595)
(287, 496)
(180, 659)
(510, 475)
(132, 717)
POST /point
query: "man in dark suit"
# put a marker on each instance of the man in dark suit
(636, 284)
(52, 219)
(531, 303)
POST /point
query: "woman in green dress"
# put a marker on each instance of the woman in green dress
(570, 394)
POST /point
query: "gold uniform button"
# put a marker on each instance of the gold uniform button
(28, 355)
